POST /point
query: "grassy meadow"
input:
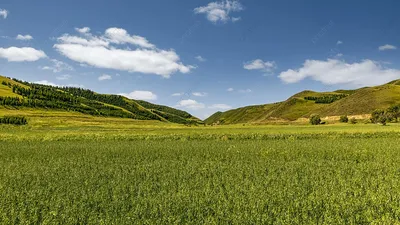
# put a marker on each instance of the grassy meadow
(65, 168)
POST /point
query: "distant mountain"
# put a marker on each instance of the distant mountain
(302, 105)
(16, 94)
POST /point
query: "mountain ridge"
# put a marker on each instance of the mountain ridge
(301, 105)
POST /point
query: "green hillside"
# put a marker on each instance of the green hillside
(302, 105)
(19, 95)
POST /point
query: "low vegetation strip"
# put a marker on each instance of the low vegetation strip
(115, 136)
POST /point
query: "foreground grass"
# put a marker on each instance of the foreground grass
(65, 168)
(311, 181)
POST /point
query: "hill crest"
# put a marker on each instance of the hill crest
(327, 104)
(16, 94)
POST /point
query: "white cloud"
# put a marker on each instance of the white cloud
(58, 66)
(339, 42)
(199, 94)
(121, 36)
(15, 54)
(387, 47)
(220, 106)
(245, 91)
(83, 30)
(99, 52)
(339, 55)
(230, 89)
(46, 82)
(335, 71)
(64, 77)
(141, 95)
(220, 11)
(104, 77)
(88, 41)
(200, 58)
(24, 37)
(177, 94)
(3, 13)
(190, 104)
(258, 64)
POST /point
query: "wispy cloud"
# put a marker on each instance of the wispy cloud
(200, 58)
(104, 77)
(199, 94)
(177, 94)
(220, 106)
(46, 82)
(141, 95)
(24, 37)
(64, 77)
(236, 19)
(190, 104)
(83, 30)
(387, 47)
(258, 64)
(220, 11)
(58, 66)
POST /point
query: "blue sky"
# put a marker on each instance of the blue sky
(201, 56)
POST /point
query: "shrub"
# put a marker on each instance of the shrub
(353, 120)
(383, 119)
(315, 119)
(377, 115)
(393, 113)
(16, 120)
(344, 119)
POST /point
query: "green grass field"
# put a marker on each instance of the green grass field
(65, 168)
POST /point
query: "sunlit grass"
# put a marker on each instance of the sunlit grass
(65, 168)
(332, 181)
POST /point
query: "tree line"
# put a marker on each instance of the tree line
(326, 99)
(39, 96)
(391, 114)
(88, 102)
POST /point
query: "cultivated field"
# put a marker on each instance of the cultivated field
(80, 170)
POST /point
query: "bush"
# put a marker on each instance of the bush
(383, 119)
(381, 116)
(16, 120)
(353, 120)
(315, 119)
(377, 115)
(393, 112)
(344, 119)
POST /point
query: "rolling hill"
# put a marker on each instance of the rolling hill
(19, 95)
(302, 105)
